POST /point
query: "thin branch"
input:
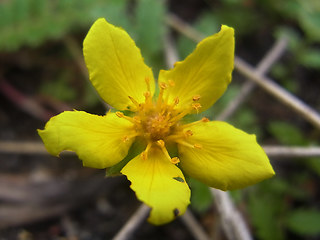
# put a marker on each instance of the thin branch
(247, 70)
(193, 226)
(24, 102)
(75, 51)
(133, 223)
(270, 58)
(233, 224)
(276, 90)
(292, 152)
(26, 147)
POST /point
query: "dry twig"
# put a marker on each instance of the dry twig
(133, 223)
(270, 58)
(247, 70)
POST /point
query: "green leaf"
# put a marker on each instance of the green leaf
(263, 212)
(310, 58)
(304, 221)
(314, 164)
(287, 133)
(201, 198)
(150, 28)
(30, 22)
(59, 89)
(309, 18)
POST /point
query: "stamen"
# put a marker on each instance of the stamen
(171, 83)
(130, 119)
(162, 86)
(161, 144)
(196, 145)
(148, 100)
(120, 114)
(134, 101)
(174, 137)
(176, 101)
(188, 133)
(184, 143)
(144, 154)
(175, 160)
(147, 79)
(126, 138)
(196, 98)
(184, 113)
(196, 106)
(147, 95)
(204, 119)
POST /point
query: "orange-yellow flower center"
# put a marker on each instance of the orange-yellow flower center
(157, 127)
(159, 121)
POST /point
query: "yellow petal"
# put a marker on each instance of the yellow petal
(159, 184)
(98, 140)
(115, 65)
(206, 72)
(229, 158)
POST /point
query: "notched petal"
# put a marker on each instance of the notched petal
(159, 184)
(97, 140)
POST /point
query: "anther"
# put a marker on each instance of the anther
(144, 156)
(171, 83)
(120, 114)
(199, 146)
(176, 101)
(147, 94)
(188, 133)
(130, 119)
(125, 139)
(134, 101)
(163, 85)
(160, 143)
(175, 160)
(147, 79)
(204, 119)
(148, 99)
(196, 98)
(196, 106)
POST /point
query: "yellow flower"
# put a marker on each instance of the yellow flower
(213, 152)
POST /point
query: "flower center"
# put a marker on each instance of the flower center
(159, 121)
(157, 127)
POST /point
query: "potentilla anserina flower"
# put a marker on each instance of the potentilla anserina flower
(213, 152)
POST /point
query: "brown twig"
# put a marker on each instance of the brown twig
(26, 103)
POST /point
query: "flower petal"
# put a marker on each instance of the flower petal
(159, 184)
(229, 158)
(206, 72)
(115, 65)
(98, 140)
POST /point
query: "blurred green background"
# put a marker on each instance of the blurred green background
(40, 58)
